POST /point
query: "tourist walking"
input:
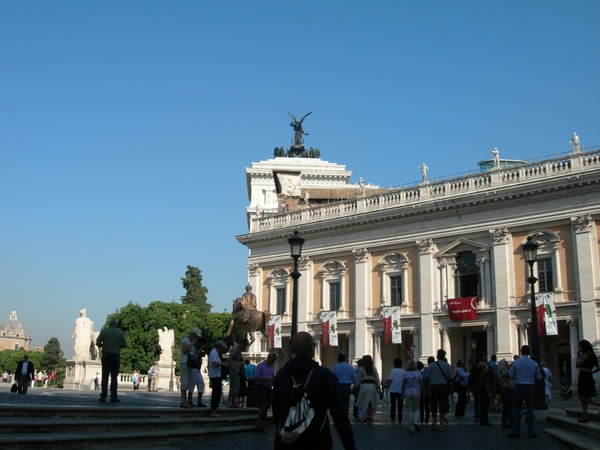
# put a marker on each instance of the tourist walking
(236, 366)
(507, 394)
(111, 340)
(462, 385)
(187, 346)
(367, 380)
(346, 378)
(524, 371)
(487, 392)
(214, 373)
(264, 377)
(439, 375)
(24, 374)
(395, 381)
(412, 387)
(586, 363)
(324, 393)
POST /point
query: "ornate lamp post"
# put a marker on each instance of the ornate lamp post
(296, 243)
(530, 249)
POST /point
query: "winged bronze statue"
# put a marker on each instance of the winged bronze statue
(298, 131)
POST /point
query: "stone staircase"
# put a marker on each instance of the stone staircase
(115, 427)
(575, 435)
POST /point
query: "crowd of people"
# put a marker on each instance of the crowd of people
(419, 395)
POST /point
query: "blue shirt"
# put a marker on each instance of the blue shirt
(525, 371)
(344, 373)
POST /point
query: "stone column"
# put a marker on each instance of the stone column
(522, 328)
(351, 347)
(417, 343)
(491, 345)
(427, 291)
(377, 336)
(503, 289)
(304, 292)
(574, 344)
(363, 300)
(445, 338)
(557, 272)
(586, 271)
(318, 341)
(384, 289)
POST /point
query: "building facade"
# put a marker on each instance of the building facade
(417, 247)
(13, 335)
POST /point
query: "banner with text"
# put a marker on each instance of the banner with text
(275, 331)
(463, 308)
(546, 314)
(329, 333)
(391, 325)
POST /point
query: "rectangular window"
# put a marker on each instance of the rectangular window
(334, 296)
(281, 297)
(545, 275)
(396, 291)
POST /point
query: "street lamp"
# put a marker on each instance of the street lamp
(296, 243)
(474, 348)
(530, 249)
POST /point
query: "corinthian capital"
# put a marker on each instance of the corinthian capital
(499, 235)
(582, 224)
(360, 254)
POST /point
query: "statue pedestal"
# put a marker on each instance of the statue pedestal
(81, 374)
(164, 376)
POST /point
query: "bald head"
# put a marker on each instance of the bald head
(302, 344)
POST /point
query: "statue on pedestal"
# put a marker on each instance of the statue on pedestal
(298, 130)
(166, 338)
(83, 334)
(247, 319)
(575, 141)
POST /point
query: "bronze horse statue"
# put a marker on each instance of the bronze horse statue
(256, 321)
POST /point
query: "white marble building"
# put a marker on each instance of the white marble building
(416, 247)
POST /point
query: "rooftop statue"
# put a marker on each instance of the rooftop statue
(298, 130)
(575, 141)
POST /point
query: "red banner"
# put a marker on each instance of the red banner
(325, 333)
(464, 308)
(387, 329)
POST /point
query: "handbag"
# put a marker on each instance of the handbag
(192, 361)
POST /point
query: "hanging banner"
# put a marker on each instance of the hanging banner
(392, 334)
(464, 308)
(275, 332)
(546, 314)
(329, 334)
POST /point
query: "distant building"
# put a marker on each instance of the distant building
(425, 247)
(13, 335)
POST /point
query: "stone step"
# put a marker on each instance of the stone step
(592, 428)
(114, 411)
(593, 415)
(49, 425)
(114, 439)
(573, 439)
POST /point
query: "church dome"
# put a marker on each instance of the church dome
(12, 327)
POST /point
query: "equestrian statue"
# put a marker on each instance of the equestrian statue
(247, 319)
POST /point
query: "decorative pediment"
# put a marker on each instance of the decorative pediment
(332, 267)
(278, 274)
(393, 259)
(460, 245)
(542, 237)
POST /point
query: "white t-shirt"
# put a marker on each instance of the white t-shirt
(396, 376)
(183, 359)
(214, 372)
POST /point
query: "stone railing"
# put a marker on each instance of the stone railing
(573, 163)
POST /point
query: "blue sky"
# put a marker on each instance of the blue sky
(125, 126)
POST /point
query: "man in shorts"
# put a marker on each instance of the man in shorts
(264, 376)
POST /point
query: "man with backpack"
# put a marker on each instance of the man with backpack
(302, 381)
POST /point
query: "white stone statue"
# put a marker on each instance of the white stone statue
(496, 154)
(361, 185)
(424, 170)
(166, 338)
(83, 334)
(575, 141)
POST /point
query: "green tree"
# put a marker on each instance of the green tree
(10, 358)
(195, 292)
(217, 326)
(52, 358)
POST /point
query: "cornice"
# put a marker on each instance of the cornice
(432, 210)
